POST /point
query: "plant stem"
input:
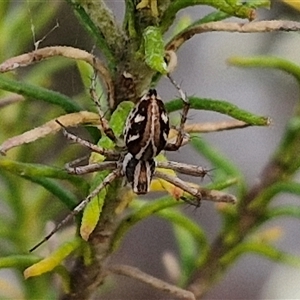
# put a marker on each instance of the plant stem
(251, 210)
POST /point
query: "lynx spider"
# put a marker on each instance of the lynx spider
(137, 168)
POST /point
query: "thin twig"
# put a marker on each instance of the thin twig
(252, 27)
(152, 281)
(215, 126)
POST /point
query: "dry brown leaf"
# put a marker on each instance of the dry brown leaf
(73, 119)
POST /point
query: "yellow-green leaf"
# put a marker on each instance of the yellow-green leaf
(91, 215)
(53, 260)
(117, 123)
(161, 185)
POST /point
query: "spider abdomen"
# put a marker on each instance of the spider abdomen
(138, 173)
(147, 127)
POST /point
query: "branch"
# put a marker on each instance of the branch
(161, 285)
(253, 27)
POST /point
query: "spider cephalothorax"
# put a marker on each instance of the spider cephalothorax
(145, 136)
(147, 127)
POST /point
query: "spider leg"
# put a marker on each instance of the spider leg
(72, 165)
(107, 180)
(103, 122)
(183, 168)
(183, 185)
(199, 193)
(110, 154)
(95, 167)
(186, 106)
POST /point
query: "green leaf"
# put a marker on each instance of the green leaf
(53, 260)
(154, 49)
(259, 3)
(270, 192)
(187, 251)
(184, 22)
(118, 118)
(91, 215)
(117, 123)
(86, 71)
(283, 211)
(212, 17)
(222, 184)
(129, 22)
(267, 62)
(262, 249)
(38, 170)
(92, 211)
(230, 7)
(232, 2)
(18, 261)
(222, 107)
(65, 196)
(39, 93)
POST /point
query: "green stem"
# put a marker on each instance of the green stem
(129, 19)
(66, 197)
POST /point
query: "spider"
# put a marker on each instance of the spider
(145, 136)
